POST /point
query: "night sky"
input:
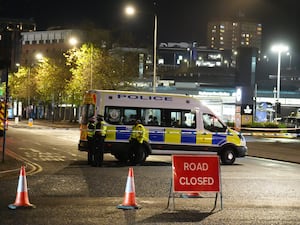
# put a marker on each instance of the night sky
(178, 20)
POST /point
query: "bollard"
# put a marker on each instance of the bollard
(30, 122)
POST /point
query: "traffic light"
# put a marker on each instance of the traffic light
(278, 108)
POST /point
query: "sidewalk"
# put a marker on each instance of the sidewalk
(43, 123)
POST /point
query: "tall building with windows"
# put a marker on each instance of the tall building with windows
(229, 35)
(50, 43)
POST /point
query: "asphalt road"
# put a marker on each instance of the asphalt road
(65, 190)
(283, 149)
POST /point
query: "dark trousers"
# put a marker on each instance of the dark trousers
(91, 150)
(135, 150)
(99, 150)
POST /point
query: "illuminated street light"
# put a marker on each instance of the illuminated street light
(279, 49)
(73, 41)
(39, 57)
(130, 11)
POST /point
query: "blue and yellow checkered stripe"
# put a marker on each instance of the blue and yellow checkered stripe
(173, 136)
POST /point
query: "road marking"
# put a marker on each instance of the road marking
(31, 167)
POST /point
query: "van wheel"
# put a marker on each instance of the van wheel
(121, 157)
(140, 156)
(228, 156)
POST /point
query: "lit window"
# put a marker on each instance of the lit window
(161, 61)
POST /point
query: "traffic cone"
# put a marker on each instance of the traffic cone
(129, 197)
(22, 194)
(191, 195)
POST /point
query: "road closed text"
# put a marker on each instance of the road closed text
(196, 167)
(196, 181)
(196, 173)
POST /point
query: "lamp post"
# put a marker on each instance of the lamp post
(130, 11)
(290, 61)
(154, 52)
(279, 48)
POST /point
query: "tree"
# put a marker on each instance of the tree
(51, 79)
(20, 85)
(95, 68)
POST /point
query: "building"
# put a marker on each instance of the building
(207, 72)
(49, 43)
(229, 35)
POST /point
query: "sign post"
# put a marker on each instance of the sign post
(194, 173)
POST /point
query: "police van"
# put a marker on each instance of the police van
(174, 123)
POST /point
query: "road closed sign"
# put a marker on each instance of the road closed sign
(193, 173)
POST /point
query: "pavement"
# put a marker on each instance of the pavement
(8, 162)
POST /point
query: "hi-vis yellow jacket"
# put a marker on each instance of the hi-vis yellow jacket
(138, 133)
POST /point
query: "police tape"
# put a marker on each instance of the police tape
(161, 131)
(272, 132)
(263, 132)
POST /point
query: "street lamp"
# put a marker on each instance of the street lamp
(73, 41)
(154, 52)
(290, 62)
(279, 48)
(130, 11)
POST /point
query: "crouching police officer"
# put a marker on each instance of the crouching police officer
(138, 142)
(100, 135)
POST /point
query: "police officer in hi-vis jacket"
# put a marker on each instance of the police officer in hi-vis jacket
(138, 141)
(100, 135)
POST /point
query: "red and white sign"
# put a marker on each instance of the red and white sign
(193, 173)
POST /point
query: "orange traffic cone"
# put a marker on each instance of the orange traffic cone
(191, 195)
(129, 197)
(22, 195)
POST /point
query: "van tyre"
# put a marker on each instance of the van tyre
(121, 157)
(142, 155)
(139, 155)
(228, 156)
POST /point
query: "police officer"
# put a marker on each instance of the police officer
(100, 135)
(91, 127)
(137, 140)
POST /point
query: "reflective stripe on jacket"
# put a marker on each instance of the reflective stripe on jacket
(101, 128)
(91, 129)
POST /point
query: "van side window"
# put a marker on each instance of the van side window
(211, 123)
(179, 118)
(130, 116)
(151, 116)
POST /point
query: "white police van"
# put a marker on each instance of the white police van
(174, 124)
